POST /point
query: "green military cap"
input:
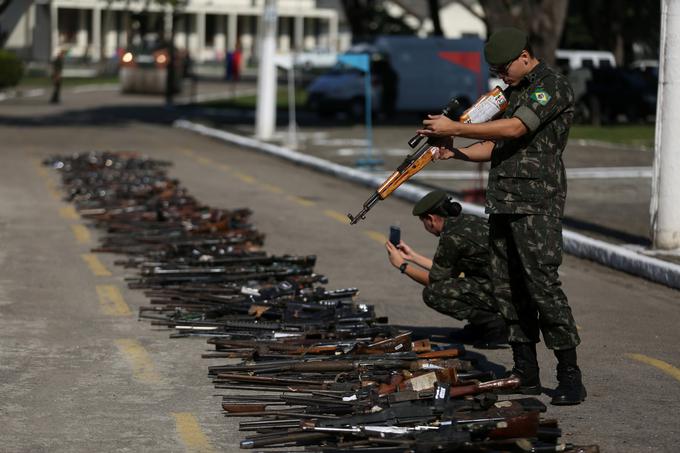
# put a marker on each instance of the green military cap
(429, 203)
(504, 46)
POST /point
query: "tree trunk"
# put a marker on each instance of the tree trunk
(543, 20)
(434, 14)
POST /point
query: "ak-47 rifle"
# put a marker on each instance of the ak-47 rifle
(485, 109)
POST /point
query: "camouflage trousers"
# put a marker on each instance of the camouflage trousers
(467, 298)
(526, 251)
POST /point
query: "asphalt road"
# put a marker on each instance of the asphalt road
(78, 373)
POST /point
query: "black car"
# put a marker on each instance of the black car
(614, 95)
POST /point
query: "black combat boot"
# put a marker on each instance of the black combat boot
(526, 368)
(570, 389)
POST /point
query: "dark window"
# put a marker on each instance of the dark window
(210, 29)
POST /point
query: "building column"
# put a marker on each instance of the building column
(82, 39)
(299, 33)
(232, 32)
(96, 34)
(220, 39)
(200, 31)
(109, 33)
(122, 26)
(54, 27)
(333, 33)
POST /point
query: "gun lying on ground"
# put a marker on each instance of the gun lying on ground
(485, 109)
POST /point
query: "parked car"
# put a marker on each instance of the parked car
(616, 94)
(576, 59)
(408, 74)
(144, 69)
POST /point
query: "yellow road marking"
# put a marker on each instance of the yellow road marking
(96, 266)
(272, 188)
(245, 178)
(82, 234)
(190, 433)
(187, 152)
(301, 201)
(660, 364)
(342, 218)
(142, 366)
(378, 237)
(112, 302)
(224, 167)
(68, 212)
(204, 160)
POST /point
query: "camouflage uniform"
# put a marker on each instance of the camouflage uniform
(525, 199)
(463, 248)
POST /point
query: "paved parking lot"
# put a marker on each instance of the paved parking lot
(76, 376)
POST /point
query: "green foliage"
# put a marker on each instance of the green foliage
(11, 69)
(608, 24)
(369, 18)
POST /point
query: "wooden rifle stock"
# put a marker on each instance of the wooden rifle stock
(473, 389)
(411, 165)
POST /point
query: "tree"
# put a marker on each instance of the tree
(543, 20)
(629, 24)
(368, 18)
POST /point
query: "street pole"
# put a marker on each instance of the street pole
(292, 124)
(170, 76)
(265, 117)
(665, 204)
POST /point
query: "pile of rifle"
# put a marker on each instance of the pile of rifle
(319, 370)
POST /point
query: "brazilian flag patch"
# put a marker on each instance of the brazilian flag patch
(541, 96)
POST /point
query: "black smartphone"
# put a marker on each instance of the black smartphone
(395, 235)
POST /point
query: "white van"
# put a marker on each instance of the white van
(576, 59)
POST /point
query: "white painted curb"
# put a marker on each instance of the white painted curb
(611, 255)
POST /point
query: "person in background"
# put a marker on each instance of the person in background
(55, 74)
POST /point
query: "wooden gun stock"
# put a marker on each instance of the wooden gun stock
(411, 165)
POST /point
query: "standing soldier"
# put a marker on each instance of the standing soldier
(57, 69)
(456, 280)
(525, 199)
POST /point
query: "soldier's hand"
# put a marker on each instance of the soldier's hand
(394, 255)
(405, 250)
(437, 126)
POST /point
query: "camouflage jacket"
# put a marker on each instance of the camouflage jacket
(463, 247)
(527, 174)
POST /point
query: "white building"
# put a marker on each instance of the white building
(94, 30)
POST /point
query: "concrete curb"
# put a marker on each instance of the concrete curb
(610, 255)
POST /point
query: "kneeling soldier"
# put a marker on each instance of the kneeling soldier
(456, 281)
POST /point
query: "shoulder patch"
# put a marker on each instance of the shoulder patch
(540, 96)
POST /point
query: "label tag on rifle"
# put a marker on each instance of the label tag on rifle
(486, 108)
(249, 291)
(441, 395)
